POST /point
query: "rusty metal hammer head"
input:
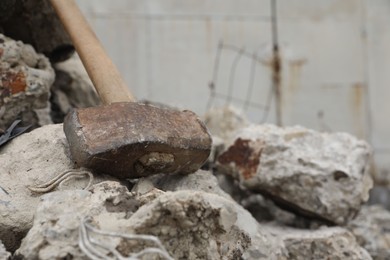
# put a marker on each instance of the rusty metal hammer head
(130, 140)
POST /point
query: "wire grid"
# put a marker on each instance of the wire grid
(246, 103)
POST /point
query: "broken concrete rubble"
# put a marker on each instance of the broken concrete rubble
(206, 226)
(28, 160)
(225, 121)
(263, 209)
(190, 224)
(319, 175)
(323, 177)
(191, 215)
(324, 243)
(198, 181)
(25, 80)
(371, 228)
(217, 147)
(222, 123)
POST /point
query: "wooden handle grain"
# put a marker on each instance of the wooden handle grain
(103, 73)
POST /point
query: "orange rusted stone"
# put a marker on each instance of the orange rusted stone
(14, 82)
(245, 154)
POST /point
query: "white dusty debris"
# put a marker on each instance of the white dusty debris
(29, 160)
(217, 147)
(189, 224)
(25, 81)
(225, 121)
(325, 243)
(71, 89)
(372, 230)
(4, 255)
(222, 123)
(204, 225)
(199, 181)
(57, 219)
(320, 175)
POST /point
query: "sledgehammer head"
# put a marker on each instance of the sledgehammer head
(131, 140)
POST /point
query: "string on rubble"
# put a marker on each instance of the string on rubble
(61, 178)
(96, 250)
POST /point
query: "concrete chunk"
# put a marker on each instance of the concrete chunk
(371, 228)
(29, 160)
(325, 243)
(190, 224)
(25, 80)
(319, 175)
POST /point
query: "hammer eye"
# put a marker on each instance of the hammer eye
(154, 162)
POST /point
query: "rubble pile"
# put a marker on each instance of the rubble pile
(26, 78)
(191, 215)
(27, 161)
(190, 224)
(317, 174)
(266, 192)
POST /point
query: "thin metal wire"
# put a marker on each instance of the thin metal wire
(214, 94)
(96, 250)
(244, 53)
(267, 108)
(217, 60)
(251, 82)
(233, 69)
(274, 23)
(213, 83)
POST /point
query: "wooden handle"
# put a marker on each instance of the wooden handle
(103, 73)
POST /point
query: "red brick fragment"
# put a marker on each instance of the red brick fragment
(245, 154)
(14, 82)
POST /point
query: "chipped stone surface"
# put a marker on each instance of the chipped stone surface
(316, 174)
(206, 226)
(198, 181)
(325, 243)
(4, 255)
(25, 80)
(190, 224)
(222, 123)
(28, 160)
(245, 155)
(72, 89)
(54, 234)
(371, 228)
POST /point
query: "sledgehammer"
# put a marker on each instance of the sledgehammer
(124, 138)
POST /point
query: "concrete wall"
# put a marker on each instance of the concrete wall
(334, 57)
